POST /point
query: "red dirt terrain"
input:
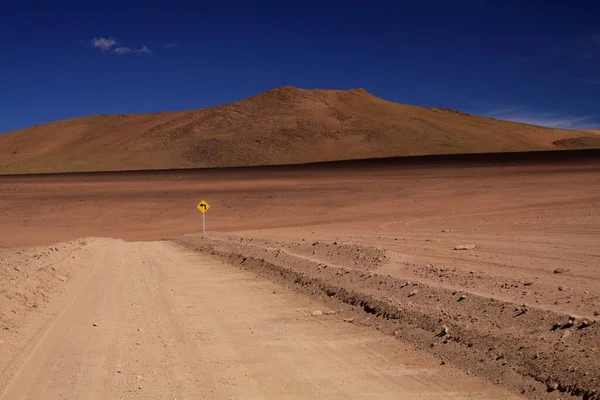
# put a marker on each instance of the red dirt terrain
(286, 125)
(482, 270)
(469, 273)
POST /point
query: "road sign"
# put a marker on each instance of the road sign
(203, 206)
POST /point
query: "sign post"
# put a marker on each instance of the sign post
(203, 207)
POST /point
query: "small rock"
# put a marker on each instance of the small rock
(349, 320)
(444, 331)
(119, 371)
(552, 386)
(445, 230)
(138, 343)
(596, 313)
(561, 288)
(95, 324)
(140, 387)
(140, 330)
(522, 310)
(329, 312)
(462, 297)
(560, 271)
(316, 313)
(442, 362)
(465, 247)
(569, 323)
(414, 292)
(584, 324)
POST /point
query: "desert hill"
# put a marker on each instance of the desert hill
(286, 125)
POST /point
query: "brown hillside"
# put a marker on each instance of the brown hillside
(281, 126)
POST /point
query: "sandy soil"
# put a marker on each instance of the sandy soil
(358, 240)
(150, 321)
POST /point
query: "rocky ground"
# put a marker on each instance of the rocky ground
(533, 350)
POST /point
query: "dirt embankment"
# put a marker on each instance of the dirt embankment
(29, 275)
(534, 351)
(30, 279)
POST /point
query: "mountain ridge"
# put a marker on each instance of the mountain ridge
(284, 125)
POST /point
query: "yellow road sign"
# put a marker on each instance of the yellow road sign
(203, 206)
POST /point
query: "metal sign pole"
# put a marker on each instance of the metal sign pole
(204, 223)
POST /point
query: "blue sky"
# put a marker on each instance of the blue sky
(529, 61)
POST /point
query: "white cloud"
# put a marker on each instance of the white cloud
(143, 50)
(122, 50)
(103, 43)
(548, 119)
(111, 45)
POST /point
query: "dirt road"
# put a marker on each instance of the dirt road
(151, 320)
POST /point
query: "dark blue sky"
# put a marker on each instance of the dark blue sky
(522, 60)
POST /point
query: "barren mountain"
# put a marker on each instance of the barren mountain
(286, 125)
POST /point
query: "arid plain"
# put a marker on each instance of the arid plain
(331, 281)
